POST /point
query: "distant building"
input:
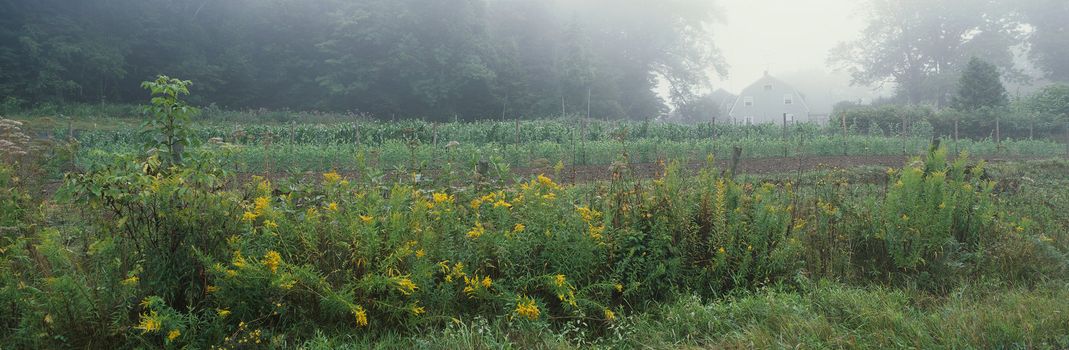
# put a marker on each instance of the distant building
(766, 101)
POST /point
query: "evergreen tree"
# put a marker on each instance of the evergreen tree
(980, 86)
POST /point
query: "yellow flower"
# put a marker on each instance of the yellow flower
(406, 286)
(596, 231)
(487, 282)
(149, 323)
(367, 219)
(248, 216)
(332, 206)
(331, 177)
(222, 312)
(239, 261)
(442, 198)
(549, 196)
(547, 182)
(502, 203)
(420, 253)
(609, 315)
(619, 287)
(519, 228)
(476, 203)
(526, 307)
(272, 259)
(173, 334)
(721, 250)
(417, 310)
(212, 289)
(360, 315)
(261, 204)
(559, 280)
(270, 224)
(130, 281)
(1019, 229)
(476, 231)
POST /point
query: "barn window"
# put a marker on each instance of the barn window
(748, 101)
(768, 87)
(747, 120)
(788, 99)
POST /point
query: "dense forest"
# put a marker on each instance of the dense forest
(426, 58)
(475, 59)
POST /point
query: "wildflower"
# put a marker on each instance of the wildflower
(609, 315)
(332, 206)
(149, 323)
(547, 182)
(211, 289)
(559, 279)
(331, 177)
(476, 231)
(596, 231)
(312, 213)
(585, 213)
(519, 228)
(619, 287)
(526, 307)
(270, 224)
(1019, 229)
(239, 261)
(721, 250)
(173, 334)
(367, 219)
(264, 186)
(272, 259)
(287, 285)
(420, 253)
(222, 312)
(417, 310)
(905, 217)
(406, 286)
(501, 203)
(248, 216)
(487, 282)
(130, 281)
(361, 316)
(550, 196)
(440, 198)
(261, 204)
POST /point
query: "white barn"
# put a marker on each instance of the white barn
(766, 101)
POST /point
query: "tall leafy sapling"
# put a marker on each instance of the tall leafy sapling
(166, 129)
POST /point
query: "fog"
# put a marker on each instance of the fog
(477, 59)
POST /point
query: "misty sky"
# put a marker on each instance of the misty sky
(782, 36)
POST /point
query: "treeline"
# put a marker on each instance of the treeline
(440, 59)
(921, 47)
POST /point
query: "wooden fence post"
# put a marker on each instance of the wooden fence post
(784, 135)
(845, 140)
(998, 135)
(736, 153)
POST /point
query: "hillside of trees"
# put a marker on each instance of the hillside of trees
(405, 58)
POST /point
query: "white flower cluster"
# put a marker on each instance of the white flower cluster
(13, 142)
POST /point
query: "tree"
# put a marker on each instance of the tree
(166, 129)
(922, 45)
(1052, 101)
(980, 87)
(1048, 41)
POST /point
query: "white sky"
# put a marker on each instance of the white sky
(781, 36)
